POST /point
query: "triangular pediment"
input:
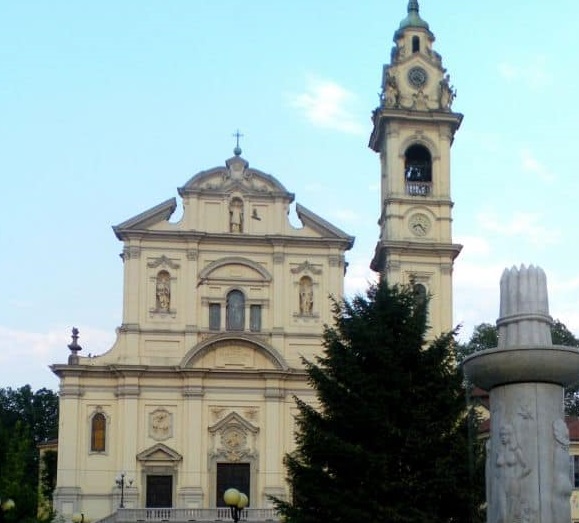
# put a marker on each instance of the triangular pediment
(159, 453)
(233, 419)
(321, 226)
(147, 219)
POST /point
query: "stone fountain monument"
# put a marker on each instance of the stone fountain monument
(527, 463)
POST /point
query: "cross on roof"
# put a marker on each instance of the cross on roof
(237, 135)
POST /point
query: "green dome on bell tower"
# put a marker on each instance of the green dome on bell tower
(413, 19)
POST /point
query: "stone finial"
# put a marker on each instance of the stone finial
(524, 308)
(413, 6)
(74, 348)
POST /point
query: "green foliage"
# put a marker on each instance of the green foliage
(26, 419)
(389, 440)
(48, 473)
(485, 336)
(561, 335)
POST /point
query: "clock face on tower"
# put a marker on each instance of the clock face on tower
(419, 224)
(417, 77)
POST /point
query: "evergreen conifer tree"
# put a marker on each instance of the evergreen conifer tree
(390, 439)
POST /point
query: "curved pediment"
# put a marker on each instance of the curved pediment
(235, 176)
(234, 351)
(243, 268)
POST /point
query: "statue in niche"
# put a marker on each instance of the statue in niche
(447, 93)
(306, 295)
(236, 215)
(510, 469)
(163, 291)
(562, 486)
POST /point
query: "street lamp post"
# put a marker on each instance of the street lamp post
(122, 481)
(5, 506)
(236, 501)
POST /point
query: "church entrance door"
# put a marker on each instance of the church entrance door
(232, 475)
(159, 491)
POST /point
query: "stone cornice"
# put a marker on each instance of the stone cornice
(202, 238)
(148, 373)
(383, 115)
(451, 250)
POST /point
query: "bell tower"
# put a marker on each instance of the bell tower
(414, 128)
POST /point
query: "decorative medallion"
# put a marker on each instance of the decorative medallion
(234, 439)
(417, 77)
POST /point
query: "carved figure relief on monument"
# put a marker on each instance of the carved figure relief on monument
(562, 488)
(510, 468)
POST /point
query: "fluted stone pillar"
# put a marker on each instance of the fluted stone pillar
(527, 469)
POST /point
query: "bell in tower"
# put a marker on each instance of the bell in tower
(413, 131)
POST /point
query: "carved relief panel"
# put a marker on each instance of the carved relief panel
(160, 424)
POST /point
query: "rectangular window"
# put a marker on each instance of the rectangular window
(214, 316)
(98, 432)
(232, 475)
(255, 318)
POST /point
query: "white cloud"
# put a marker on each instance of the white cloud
(473, 245)
(525, 225)
(25, 356)
(327, 104)
(531, 165)
(534, 73)
(358, 277)
(476, 292)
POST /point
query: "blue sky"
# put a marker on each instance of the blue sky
(107, 107)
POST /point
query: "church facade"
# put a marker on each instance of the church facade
(197, 393)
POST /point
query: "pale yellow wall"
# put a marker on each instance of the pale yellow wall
(202, 383)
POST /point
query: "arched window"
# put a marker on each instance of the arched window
(415, 44)
(419, 293)
(235, 311)
(418, 164)
(163, 291)
(306, 295)
(418, 170)
(98, 432)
